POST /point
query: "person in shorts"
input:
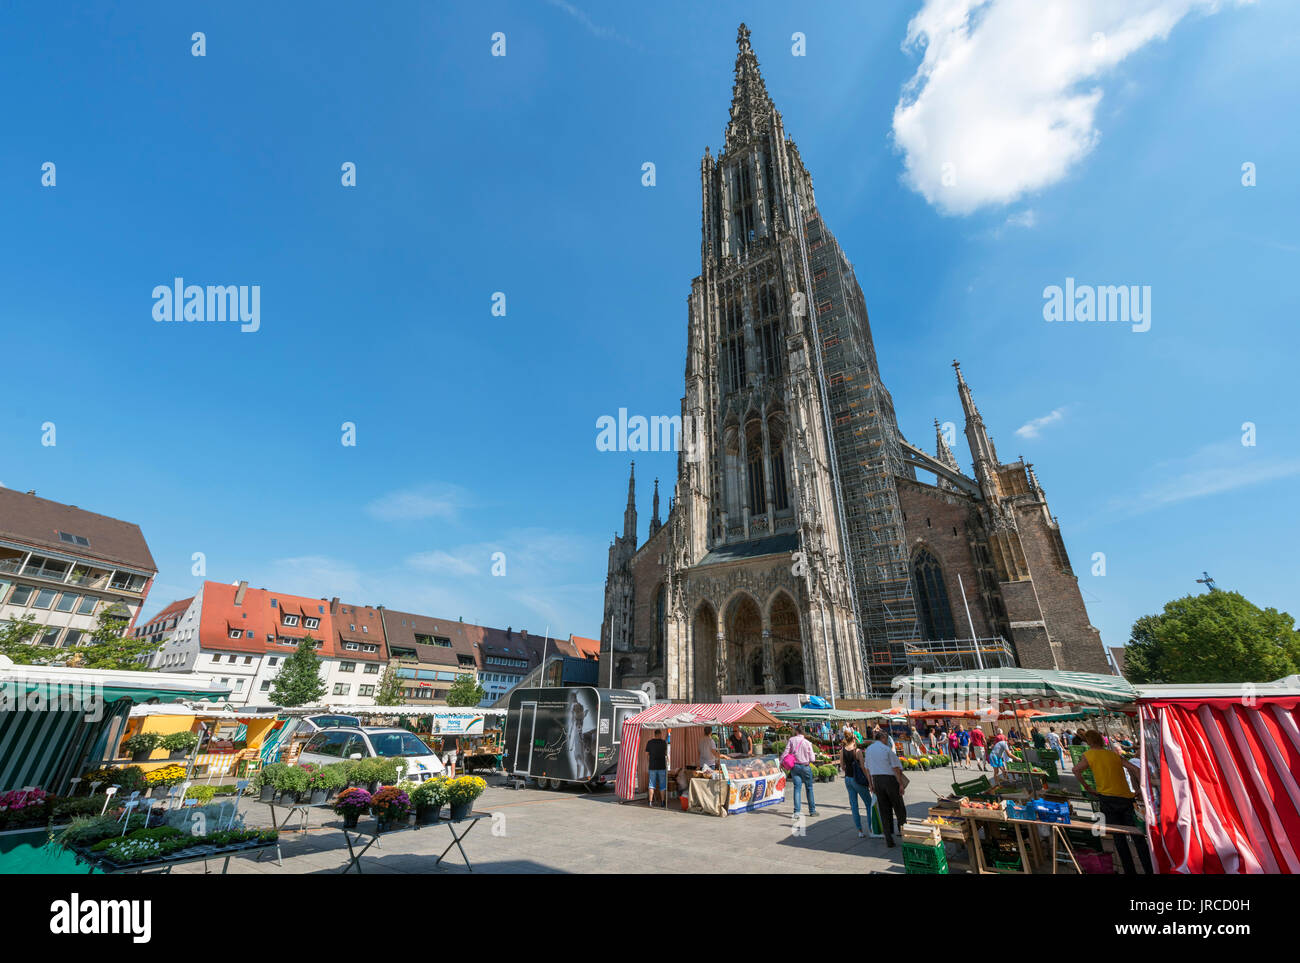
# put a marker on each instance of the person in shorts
(657, 751)
(450, 747)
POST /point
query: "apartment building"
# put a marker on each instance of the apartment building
(66, 566)
(430, 653)
(362, 654)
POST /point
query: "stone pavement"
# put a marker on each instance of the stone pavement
(537, 831)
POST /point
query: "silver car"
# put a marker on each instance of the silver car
(363, 742)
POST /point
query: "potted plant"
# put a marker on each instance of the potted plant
(461, 793)
(336, 775)
(428, 798)
(291, 781)
(264, 781)
(180, 744)
(141, 745)
(318, 784)
(351, 804)
(391, 807)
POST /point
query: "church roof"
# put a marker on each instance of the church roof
(755, 548)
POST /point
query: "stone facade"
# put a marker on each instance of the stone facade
(800, 553)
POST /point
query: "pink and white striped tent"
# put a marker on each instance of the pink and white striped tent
(1222, 786)
(683, 722)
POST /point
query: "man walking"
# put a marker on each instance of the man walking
(888, 783)
(977, 746)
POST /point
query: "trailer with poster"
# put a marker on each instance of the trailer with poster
(567, 734)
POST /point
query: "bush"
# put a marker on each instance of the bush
(291, 779)
(201, 794)
(266, 776)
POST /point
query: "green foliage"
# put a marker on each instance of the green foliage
(202, 794)
(465, 691)
(85, 831)
(390, 688)
(142, 742)
(299, 681)
(267, 774)
(175, 741)
(290, 779)
(1217, 637)
(431, 792)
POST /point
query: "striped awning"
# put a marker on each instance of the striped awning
(1222, 789)
(1013, 688)
(705, 714)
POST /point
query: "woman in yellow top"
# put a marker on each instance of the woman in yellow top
(1114, 795)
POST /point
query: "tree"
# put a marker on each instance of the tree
(105, 648)
(1217, 637)
(298, 682)
(15, 641)
(465, 691)
(390, 688)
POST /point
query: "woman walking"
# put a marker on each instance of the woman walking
(856, 780)
(801, 772)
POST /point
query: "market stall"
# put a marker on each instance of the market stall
(1221, 791)
(737, 785)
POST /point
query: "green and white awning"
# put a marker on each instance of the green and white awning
(1013, 688)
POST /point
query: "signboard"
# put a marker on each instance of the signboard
(772, 702)
(753, 783)
(449, 722)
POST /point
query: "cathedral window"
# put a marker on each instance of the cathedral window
(757, 496)
(745, 208)
(780, 499)
(933, 610)
(660, 628)
(733, 345)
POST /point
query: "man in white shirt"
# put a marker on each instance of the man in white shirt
(887, 782)
(708, 749)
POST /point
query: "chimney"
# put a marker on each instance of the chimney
(239, 593)
(509, 632)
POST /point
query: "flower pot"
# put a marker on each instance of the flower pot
(350, 820)
(424, 815)
(383, 825)
(141, 756)
(459, 810)
(158, 792)
(318, 796)
(372, 787)
(267, 794)
(288, 798)
(177, 754)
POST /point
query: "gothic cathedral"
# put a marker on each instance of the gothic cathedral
(800, 552)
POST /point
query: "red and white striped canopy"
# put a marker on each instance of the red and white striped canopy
(1221, 786)
(679, 719)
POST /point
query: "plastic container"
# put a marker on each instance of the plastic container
(924, 860)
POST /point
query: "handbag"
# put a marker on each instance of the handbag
(788, 761)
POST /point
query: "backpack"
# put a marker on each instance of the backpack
(859, 775)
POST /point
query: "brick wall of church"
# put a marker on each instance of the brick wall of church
(932, 517)
(648, 571)
(1079, 646)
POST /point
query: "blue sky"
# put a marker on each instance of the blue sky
(1112, 162)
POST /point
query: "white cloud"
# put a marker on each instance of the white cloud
(439, 562)
(413, 504)
(1034, 428)
(1212, 470)
(1004, 100)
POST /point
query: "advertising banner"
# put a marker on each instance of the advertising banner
(774, 702)
(753, 783)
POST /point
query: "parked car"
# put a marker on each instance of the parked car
(327, 721)
(363, 742)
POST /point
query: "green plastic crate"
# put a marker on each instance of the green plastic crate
(919, 859)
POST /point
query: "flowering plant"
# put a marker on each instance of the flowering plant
(391, 804)
(465, 789)
(166, 776)
(352, 801)
(19, 799)
(431, 792)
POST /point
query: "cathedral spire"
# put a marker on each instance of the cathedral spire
(981, 445)
(751, 107)
(654, 518)
(941, 450)
(629, 515)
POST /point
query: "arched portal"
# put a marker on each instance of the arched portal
(704, 633)
(744, 632)
(787, 645)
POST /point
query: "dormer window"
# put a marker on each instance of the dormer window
(290, 620)
(311, 623)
